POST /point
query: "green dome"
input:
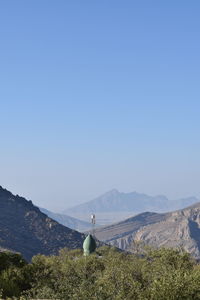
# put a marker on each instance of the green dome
(89, 245)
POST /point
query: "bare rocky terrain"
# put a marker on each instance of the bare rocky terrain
(121, 234)
(178, 229)
(25, 229)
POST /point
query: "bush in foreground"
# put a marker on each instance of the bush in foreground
(163, 274)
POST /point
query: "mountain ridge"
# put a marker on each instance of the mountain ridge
(25, 229)
(176, 229)
(114, 206)
(181, 229)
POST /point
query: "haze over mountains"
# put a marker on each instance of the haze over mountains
(25, 229)
(67, 221)
(114, 206)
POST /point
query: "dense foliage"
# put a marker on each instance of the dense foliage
(163, 274)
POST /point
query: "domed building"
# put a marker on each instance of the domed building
(89, 245)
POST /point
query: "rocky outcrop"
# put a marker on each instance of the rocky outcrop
(178, 229)
(121, 234)
(25, 229)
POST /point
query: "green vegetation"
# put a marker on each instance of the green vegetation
(163, 274)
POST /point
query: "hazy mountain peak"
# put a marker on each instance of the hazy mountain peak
(114, 206)
(161, 197)
(112, 192)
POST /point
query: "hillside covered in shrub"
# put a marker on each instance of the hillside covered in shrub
(163, 274)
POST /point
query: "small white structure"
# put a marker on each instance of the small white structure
(93, 219)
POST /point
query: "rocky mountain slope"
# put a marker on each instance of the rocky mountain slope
(121, 234)
(178, 229)
(25, 229)
(67, 221)
(114, 206)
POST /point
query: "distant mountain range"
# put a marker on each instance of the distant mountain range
(114, 206)
(25, 229)
(67, 221)
(178, 229)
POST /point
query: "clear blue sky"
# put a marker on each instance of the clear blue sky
(96, 95)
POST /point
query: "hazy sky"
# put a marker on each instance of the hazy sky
(96, 95)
